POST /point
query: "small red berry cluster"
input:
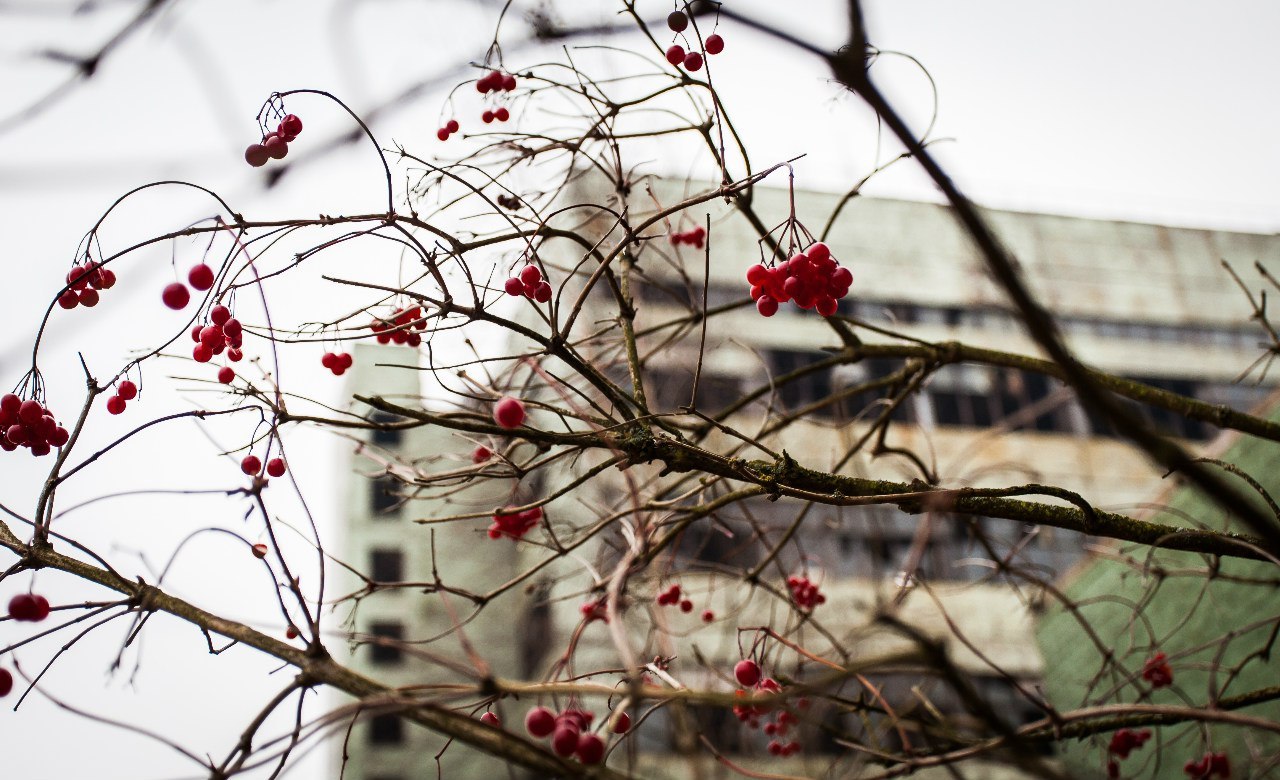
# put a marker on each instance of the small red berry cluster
(805, 593)
(1124, 742)
(223, 333)
(811, 279)
(251, 465)
(1157, 671)
(125, 391)
(530, 284)
(694, 237)
(399, 327)
(443, 134)
(509, 413)
(274, 145)
(29, 607)
(594, 609)
(692, 61)
(514, 525)
(86, 280)
(747, 673)
(29, 424)
(1210, 764)
(177, 296)
(568, 732)
(672, 596)
(494, 82)
(337, 362)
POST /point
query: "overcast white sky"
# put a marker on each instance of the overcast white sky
(1161, 111)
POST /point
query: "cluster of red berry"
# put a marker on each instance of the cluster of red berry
(671, 597)
(748, 675)
(1124, 742)
(530, 284)
(177, 296)
(508, 412)
(29, 424)
(223, 333)
(500, 114)
(494, 82)
(251, 465)
(812, 279)
(85, 281)
(568, 732)
(1210, 764)
(29, 607)
(805, 593)
(594, 609)
(274, 145)
(678, 22)
(694, 237)
(337, 362)
(514, 524)
(1157, 671)
(443, 134)
(125, 391)
(399, 327)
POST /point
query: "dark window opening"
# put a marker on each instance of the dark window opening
(384, 496)
(384, 437)
(386, 565)
(386, 730)
(387, 650)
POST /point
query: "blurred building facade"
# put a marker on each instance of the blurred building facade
(1143, 301)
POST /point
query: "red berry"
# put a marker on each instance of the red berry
(590, 749)
(442, 134)
(746, 672)
(88, 298)
(291, 125)
(276, 147)
(60, 436)
(327, 360)
(452, 126)
(509, 413)
(693, 61)
(623, 723)
(487, 116)
(708, 616)
(714, 44)
(115, 405)
(41, 610)
(508, 82)
(291, 633)
(757, 274)
(256, 155)
(106, 279)
(514, 286)
(176, 296)
(842, 277)
(767, 306)
(530, 274)
(565, 740)
(30, 412)
(481, 454)
(127, 390)
(675, 54)
(275, 467)
(686, 606)
(489, 719)
(201, 277)
(542, 293)
(502, 114)
(344, 360)
(226, 375)
(826, 306)
(219, 315)
(202, 353)
(69, 299)
(234, 355)
(677, 21)
(259, 550)
(23, 607)
(540, 722)
(251, 465)
(6, 682)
